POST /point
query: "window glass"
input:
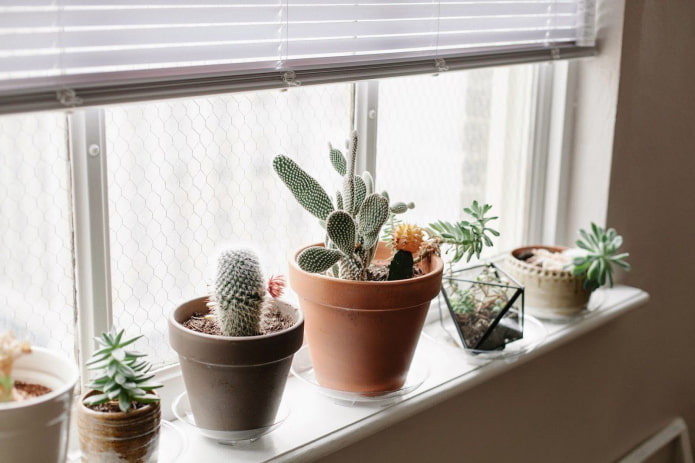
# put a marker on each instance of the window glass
(36, 275)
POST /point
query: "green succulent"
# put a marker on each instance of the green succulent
(466, 237)
(120, 374)
(601, 247)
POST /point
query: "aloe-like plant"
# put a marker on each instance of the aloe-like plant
(466, 237)
(601, 254)
(120, 375)
(352, 221)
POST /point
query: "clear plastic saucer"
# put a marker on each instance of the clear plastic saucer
(182, 411)
(445, 332)
(303, 369)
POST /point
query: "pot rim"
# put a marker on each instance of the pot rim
(67, 373)
(173, 322)
(119, 414)
(436, 262)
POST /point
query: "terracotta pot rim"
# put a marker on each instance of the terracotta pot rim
(173, 322)
(66, 386)
(436, 262)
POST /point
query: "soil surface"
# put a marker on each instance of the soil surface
(112, 407)
(271, 322)
(25, 391)
(475, 324)
(379, 271)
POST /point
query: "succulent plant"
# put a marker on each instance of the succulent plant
(466, 237)
(120, 375)
(10, 349)
(600, 254)
(353, 222)
(239, 293)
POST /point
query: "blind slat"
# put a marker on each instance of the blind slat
(48, 45)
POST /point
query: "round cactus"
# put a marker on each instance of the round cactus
(239, 293)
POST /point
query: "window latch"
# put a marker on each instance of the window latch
(290, 79)
(68, 97)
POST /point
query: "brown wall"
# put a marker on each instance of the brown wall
(594, 399)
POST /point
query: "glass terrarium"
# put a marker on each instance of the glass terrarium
(486, 305)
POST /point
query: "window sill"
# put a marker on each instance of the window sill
(318, 426)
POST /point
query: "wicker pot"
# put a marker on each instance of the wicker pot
(233, 383)
(36, 430)
(548, 293)
(362, 335)
(131, 437)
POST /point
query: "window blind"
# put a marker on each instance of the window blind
(75, 52)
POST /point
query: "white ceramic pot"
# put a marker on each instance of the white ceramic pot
(547, 293)
(36, 430)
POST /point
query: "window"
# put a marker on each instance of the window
(113, 209)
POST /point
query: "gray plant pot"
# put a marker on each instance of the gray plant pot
(36, 430)
(233, 383)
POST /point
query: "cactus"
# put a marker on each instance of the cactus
(352, 226)
(407, 240)
(239, 292)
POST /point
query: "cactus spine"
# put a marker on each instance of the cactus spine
(352, 226)
(239, 293)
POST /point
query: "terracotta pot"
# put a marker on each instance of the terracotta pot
(36, 430)
(131, 437)
(362, 335)
(548, 294)
(233, 383)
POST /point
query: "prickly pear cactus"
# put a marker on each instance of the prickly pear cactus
(239, 292)
(353, 221)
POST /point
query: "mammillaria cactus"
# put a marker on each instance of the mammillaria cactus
(352, 223)
(239, 293)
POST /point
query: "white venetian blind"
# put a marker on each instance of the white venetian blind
(85, 45)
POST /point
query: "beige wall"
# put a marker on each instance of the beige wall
(594, 399)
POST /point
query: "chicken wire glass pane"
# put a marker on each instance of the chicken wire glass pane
(445, 141)
(36, 275)
(187, 177)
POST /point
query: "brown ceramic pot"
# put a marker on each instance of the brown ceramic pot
(131, 436)
(547, 293)
(362, 335)
(233, 383)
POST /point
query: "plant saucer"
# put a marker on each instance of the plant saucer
(303, 369)
(182, 411)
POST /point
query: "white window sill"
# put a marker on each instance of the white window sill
(318, 426)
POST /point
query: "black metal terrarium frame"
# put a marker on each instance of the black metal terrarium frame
(507, 325)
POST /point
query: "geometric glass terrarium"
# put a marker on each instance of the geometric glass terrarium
(486, 305)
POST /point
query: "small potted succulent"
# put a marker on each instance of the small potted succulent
(236, 346)
(36, 388)
(486, 305)
(119, 418)
(559, 281)
(365, 303)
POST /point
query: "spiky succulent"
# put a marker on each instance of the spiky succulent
(601, 253)
(120, 375)
(239, 293)
(466, 237)
(352, 222)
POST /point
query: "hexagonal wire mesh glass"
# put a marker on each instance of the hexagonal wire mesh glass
(187, 178)
(36, 276)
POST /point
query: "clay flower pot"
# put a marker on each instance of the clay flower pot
(548, 293)
(36, 430)
(362, 335)
(131, 436)
(233, 383)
